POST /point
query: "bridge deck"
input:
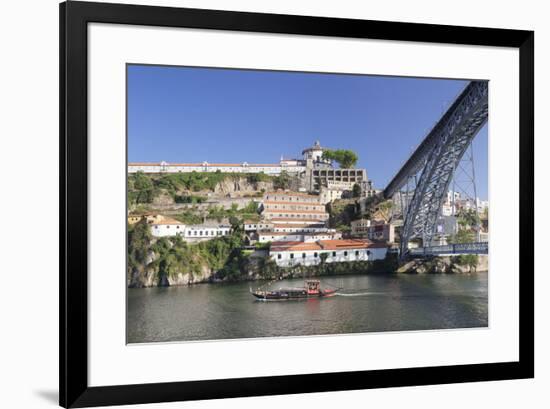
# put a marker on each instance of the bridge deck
(451, 249)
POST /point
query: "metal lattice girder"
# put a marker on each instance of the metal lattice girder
(440, 152)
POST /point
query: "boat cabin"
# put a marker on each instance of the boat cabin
(313, 286)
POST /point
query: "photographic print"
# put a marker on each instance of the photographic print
(273, 203)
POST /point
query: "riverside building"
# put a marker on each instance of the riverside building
(292, 253)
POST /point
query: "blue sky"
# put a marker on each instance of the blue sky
(179, 114)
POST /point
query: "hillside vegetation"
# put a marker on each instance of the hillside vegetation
(187, 187)
(170, 260)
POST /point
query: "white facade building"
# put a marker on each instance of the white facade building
(169, 227)
(266, 237)
(329, 195)
(454, 202)
(447, 210)
(164, 167)
(360, 227)
(250, 226)
(300, 228)
(288, 254)
(335, 190)
(198, 232)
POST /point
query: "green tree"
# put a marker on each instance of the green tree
(345, 157)
(139, 239)
(468, 260)
(236, 223)
(282, 181)
(143, 188)
(463, 236)
(468, 218)
(356, 191)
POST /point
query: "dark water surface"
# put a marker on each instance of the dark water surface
(369, 303)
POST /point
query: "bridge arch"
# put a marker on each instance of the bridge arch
(433, 163)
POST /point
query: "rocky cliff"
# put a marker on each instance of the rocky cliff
(241, 186)
(149, 275)
(445, 265)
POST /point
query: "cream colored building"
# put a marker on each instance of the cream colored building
(378, 231)
(360, 227)
(288, 206)
(329, 195)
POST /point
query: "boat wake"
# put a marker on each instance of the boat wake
(357, 294)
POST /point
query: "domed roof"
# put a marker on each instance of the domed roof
(316, 147)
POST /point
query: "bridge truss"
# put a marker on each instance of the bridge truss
(432, 165)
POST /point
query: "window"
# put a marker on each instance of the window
(291, 255)
(357, 253)
(333, 254)
(345, 253)
(200, 233)
(368, 252)
(315, 255)
(303, 255)
(195, 232)
(279, 256)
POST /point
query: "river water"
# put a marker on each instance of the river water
(368, 303)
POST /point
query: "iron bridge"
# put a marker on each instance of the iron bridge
(432, 165)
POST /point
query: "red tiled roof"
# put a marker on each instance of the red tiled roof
(167, 220)
(344, 244)
(325, 245)
(293, 246)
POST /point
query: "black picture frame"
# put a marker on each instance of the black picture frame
(73, 257)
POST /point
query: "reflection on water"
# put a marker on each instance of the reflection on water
(367, 303)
